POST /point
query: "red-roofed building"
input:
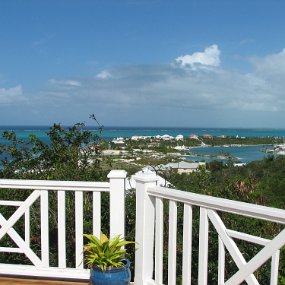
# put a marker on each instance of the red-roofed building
(207, 136)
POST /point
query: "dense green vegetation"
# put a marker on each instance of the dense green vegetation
(75, 154)
(242, 141)
(59, 159)
(259, 182)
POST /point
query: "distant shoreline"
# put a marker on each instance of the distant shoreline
(110, 132)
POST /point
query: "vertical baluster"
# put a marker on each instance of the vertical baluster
(44, 228)
(159, 241)
(61, 230)
(79, 229)
(97, 214)
(275, 268)
(203, 247)
(187, 245)
(172, 243)
(221, 262)
(27, 227)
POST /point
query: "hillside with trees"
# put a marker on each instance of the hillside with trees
(75, 154)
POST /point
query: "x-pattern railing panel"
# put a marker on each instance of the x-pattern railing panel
(246, 269)
(48, 218)
(230, 244)
(8, 224)
(209, 207)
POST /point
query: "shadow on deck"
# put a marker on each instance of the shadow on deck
(37, 281)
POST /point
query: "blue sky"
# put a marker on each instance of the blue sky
(192, 63)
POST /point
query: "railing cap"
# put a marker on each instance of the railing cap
(146, 177)
(119, 174)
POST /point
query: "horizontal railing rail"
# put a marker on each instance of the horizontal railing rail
(37, 202)
(55, 185)
(220, 204)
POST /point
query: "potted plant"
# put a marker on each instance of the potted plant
(106, 260)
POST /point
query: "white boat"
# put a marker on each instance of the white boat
(280, 152)
(279, 149)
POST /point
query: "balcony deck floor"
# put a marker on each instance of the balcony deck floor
(36, 281)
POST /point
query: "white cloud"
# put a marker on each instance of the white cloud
(11, 95)
(209, 58)
(104, 75)
(183, 88)
(170, 93)
(43, 41)
(246, 42)
(71, 83)
(271, 67)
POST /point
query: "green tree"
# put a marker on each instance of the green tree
(70, 154)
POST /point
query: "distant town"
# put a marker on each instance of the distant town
(172, 153)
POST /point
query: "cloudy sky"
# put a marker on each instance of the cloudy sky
(187, 63)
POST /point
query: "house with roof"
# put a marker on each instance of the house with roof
(182, 166)
(119, 142)
(207, 136)
(179, 138)
(167, 137)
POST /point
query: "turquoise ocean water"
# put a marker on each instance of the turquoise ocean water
(245, 154)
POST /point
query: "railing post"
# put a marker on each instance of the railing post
(145, 215)
(117, 202)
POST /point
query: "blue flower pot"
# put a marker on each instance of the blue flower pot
(114, 276)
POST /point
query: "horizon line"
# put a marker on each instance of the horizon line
(152, 127)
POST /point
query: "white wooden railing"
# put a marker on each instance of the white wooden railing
(41, 264)
(150, 236)
(149, 230)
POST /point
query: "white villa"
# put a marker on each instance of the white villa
(179, 138)
(183, 166)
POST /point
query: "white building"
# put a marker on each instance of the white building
(167, 137)
(183, 166)
(179, 137)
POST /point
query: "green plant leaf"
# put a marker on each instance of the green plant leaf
(105, 253)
